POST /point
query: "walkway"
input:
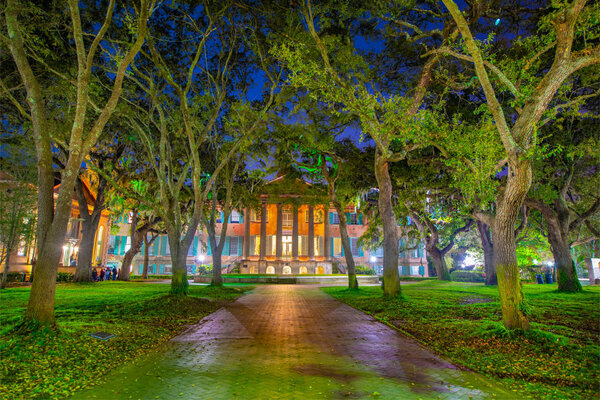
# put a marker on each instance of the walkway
(292, 342)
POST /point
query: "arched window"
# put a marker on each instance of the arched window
(287, 270)
(270, 270)
(320, 270)
(303, 270)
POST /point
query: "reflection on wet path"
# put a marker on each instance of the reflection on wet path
(287, 341)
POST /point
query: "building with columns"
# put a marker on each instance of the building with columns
(299, 234)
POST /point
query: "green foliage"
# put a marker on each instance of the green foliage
(466, 276)
(42, 364)
(558, 358)
(364, 270)
(64, 277)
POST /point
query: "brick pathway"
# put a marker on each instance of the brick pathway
(292, 342)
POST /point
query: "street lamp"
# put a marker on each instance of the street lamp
(200, 258)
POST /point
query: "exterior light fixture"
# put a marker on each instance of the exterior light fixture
(373, 259)
(200, 258)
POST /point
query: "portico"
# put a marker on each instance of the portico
(285, 238)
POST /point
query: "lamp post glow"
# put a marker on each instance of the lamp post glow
(200, 258)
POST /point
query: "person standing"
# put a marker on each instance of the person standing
(102, 274)
(108, 271)
(114, 273)
(94, 275)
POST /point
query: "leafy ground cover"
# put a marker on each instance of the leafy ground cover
(558, 358)
(55, 364)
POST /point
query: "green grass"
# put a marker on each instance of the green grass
(558, 358)
(55, 364)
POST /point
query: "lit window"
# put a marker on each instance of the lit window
(337, 247)
(287, 218)
(235, 217)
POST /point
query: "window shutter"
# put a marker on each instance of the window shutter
(331, 249)
(143, 248)
(421, 270)
(331, 218)
(226, 246)
(163, 245)
(348, 220)
(360, 219)
(195, 246)
(116, 248)
(161, 269)
(155, 246)
(153, 269)
(208, 248)
(420, 253)
(240, 244)
(141, 269)
(241, 217)
(405, 270)
(123, 243)
(361, 253)
(342, 246)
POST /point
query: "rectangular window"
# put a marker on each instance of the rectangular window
(335, 218)
(414, 253)
(352, 219)
(127, 244)
(287, 218)
(168, 247)
(379, 252)
(302, 245)
(233, 245)
(318, 245)
(256, 215)
(218, 217)
(414, 270)
(337, 246)
(235, 217)
(255, 245)
(286, 244)
(111, 244)
(354, 247)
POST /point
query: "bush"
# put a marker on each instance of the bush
(362, 270)
(64, 277)
(204, 270)
(466, 276)
(14, 277)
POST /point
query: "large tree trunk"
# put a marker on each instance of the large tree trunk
(147, 244)
(503, 233)
(5, 272)
(217, 276)
(488, 253)
(391, 278)
(439, 262)
(352, 281)
(83, 270)
(351, 267)
(179, 282)
(179, 250)
(563, 261)
(136, 245)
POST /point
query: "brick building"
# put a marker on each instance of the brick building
(300, 234)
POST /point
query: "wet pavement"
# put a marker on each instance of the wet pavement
(292, 342)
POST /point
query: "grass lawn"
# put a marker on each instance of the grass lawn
(558, 358)
(52, 364)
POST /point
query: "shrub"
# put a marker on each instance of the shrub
(466, 276)
(204, 270)
(64, 277)
(363, 270)
(14, 277)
